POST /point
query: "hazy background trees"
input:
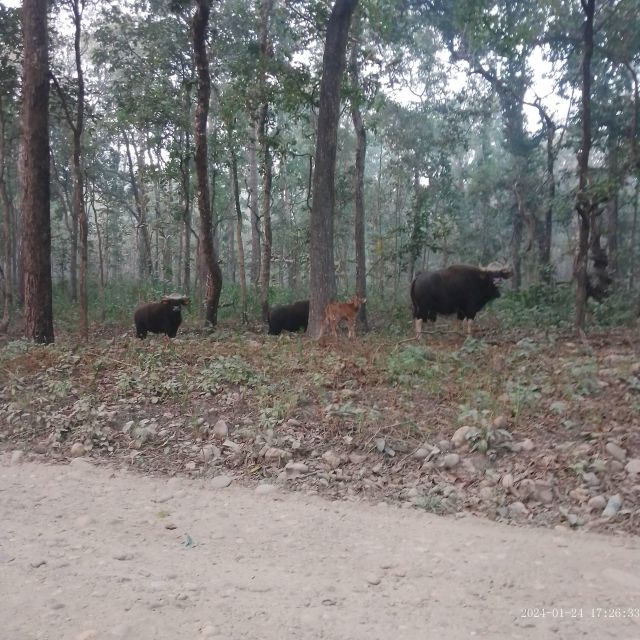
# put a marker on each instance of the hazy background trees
(471, 113)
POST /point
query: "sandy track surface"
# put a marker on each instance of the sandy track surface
(91, 552)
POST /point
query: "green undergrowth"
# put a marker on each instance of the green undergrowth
(552, 306)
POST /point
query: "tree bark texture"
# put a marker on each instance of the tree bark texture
(635, 159)
(35, 173)
(241, 268)
(612, 230)
(79, 210)
(358, 187)
(361, 272)
(186, 219)
(254, 269)
(322, 269)
(584, 203)
(214, 273)
(145, 263)
(101, 254)
(7, 231)
(633, 240)
(546, 234)
(266, 7)
(267, 179)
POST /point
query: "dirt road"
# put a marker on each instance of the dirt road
(91, 552)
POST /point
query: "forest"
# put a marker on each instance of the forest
(458, 137)
(245, 155)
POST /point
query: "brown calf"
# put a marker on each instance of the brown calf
(335, 312)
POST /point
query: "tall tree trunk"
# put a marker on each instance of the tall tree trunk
(266, 7)
(517, 226)
(584, 201)
(547, 231)
(79, 211)
(267, 178)
(416, 244)
(635, 158)
(185, 176)
(265, 265)
(18, 252)
(101, 259)
(254, 269)
(140, 213)
(65, 200)
(186, 220)
(398, 250)
(323, 277)
(232, 259)
(241, 264)
(633, 240)
(35, 172)
(290, 244)
(214, 273)
(7, 231)
(73, 256)
(379, 243)
(361, 153)
(612, 230)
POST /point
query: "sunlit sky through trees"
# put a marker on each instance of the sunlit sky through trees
(542, 89)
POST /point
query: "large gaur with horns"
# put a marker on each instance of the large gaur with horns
(459, 289)
(160, 317)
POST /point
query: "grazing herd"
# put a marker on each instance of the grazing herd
(459, 289)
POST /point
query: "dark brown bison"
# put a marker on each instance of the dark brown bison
(290, 317)
(160, 317)
(460, 289)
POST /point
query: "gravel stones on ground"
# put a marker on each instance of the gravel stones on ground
(527, 445)
(613, 506)
(209, 452)
(332, 459)
(501, 422)
(507, 482)
(275, 455)
(373, 579)
(633, 468)
(616, 451)
(451, 460)
(265, 489)
(517, 510)
(294, 470)
(421, 453)
(77, 450)
(544, 492)
(597, 503)
(462, 436)
(591, 479)
(220, 430)
(220, 482)
(444, 445)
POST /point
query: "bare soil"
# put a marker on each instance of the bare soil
(90, 551)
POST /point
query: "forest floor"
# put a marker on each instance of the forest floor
(526, 427)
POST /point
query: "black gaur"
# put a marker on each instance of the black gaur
(460, 289)
(289, 317)
(160, 317)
